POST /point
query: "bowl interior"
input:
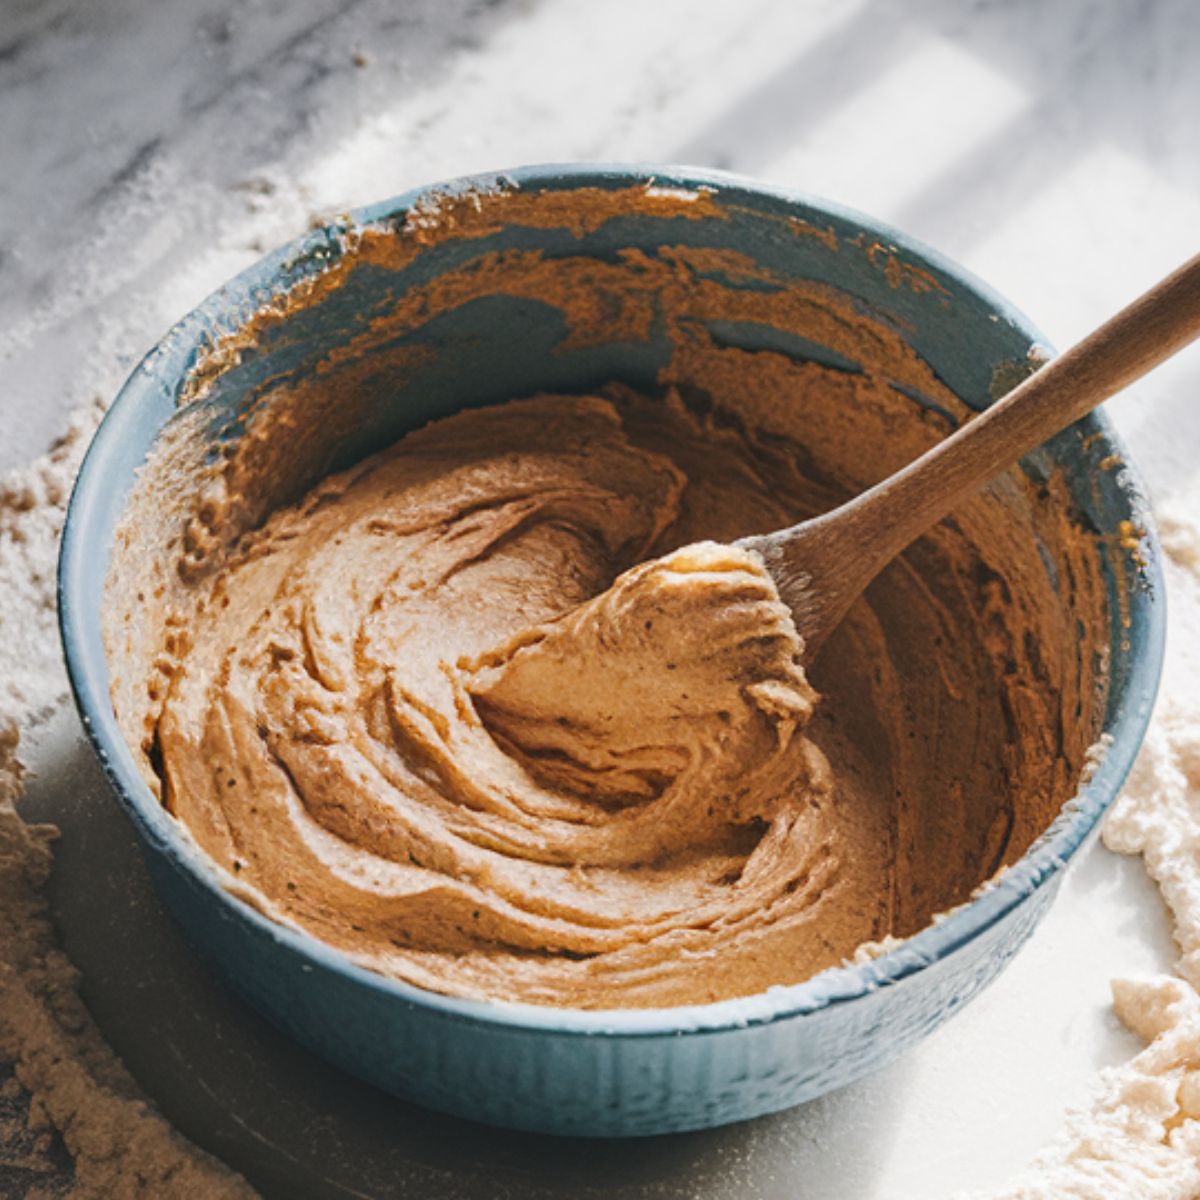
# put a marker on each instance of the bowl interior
(496, 288)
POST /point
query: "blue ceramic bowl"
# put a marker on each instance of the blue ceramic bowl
(614, 1072)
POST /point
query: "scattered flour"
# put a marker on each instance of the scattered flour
(72, 1120)
(1141, 1138)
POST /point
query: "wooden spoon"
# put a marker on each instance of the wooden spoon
(821, 566)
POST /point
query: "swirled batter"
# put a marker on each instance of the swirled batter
(499, 711)
(436, 714)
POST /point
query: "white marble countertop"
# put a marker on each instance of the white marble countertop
(149, 151)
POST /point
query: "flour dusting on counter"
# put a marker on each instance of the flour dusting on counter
(69, 1110)
(1141, 1138)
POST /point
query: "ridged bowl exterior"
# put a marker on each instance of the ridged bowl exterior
(621, 1072)
(596, 1082)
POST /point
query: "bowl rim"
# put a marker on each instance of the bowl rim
(80, 627)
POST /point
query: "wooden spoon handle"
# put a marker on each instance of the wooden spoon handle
(1123, 349)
